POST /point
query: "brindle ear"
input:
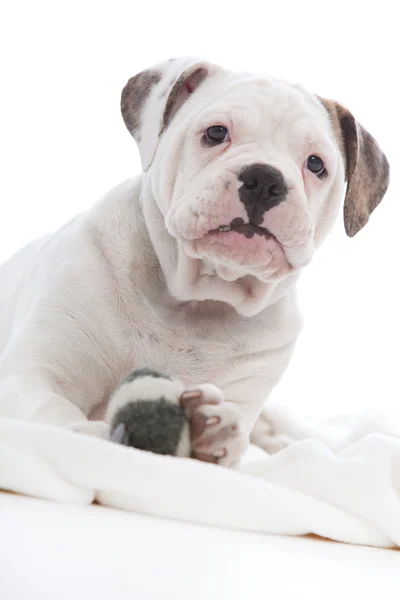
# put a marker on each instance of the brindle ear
(367, 168)
(150, 100)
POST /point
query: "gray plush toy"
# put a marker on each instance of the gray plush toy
(154, 424)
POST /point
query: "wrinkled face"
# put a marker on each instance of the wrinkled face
(245, 178)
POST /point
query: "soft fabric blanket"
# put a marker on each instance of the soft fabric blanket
(341, 482)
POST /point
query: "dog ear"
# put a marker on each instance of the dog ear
(367, 168)
(150, 100)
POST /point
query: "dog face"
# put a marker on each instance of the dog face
(245, 197)
(248, 173)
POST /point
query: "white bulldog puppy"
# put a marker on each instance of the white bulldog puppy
(186, 274)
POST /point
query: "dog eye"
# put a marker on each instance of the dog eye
(316, 165)
(216, 134)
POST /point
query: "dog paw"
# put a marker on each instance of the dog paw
(216, 433)
(266, 436)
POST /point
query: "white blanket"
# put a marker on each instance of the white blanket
(342, 482)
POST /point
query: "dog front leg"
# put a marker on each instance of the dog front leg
(30, 395)
(42, 379)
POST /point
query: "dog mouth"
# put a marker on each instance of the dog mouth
(258, 251)
(247, 229)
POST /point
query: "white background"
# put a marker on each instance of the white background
(63, 145)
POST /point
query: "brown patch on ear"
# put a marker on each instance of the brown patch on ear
(183, 88)
(134, 96)
(367, 168)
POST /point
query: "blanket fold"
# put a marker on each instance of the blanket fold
(342, 483)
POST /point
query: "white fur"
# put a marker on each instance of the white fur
(118, 287)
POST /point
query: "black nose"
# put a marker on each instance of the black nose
(263, 188)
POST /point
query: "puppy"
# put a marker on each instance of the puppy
(190, 268)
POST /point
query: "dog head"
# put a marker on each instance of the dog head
(244, 176)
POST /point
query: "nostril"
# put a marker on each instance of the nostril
(251, 183)
(274, 190)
